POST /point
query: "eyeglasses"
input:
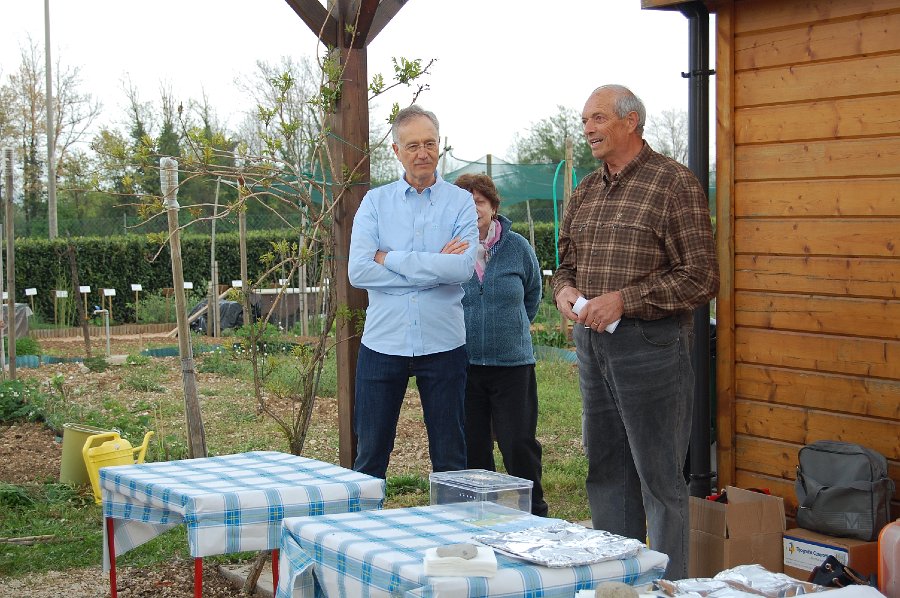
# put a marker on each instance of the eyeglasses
(413, 148)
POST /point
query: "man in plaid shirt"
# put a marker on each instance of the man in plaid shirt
(636, 242)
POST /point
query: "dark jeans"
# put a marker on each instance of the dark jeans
(637, 389)
(505, 399)
(381, 382)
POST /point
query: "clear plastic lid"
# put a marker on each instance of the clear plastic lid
(480, 480)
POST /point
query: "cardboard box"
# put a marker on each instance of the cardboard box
(805, 550)
(747, 530)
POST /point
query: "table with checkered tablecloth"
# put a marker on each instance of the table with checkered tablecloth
(231, 503)
(380, 553)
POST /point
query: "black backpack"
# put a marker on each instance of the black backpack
(843, 490)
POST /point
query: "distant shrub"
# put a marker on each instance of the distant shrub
(15, 396)
(27, 346)
(96, 364)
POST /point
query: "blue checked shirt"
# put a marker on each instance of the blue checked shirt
(415, 298)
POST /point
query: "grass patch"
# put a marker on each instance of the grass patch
(144, 380)
(60, 510)
(406, 491)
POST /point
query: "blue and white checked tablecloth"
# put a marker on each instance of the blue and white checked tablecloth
(230, 503)
(380, 553)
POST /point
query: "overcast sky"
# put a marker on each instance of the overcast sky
(501, 64)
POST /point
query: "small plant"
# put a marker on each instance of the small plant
(14, 496)
(13, 400)
(265, 334)
(550, 337)
(143, 382)
(96, 364)
(137, 359)
(27, 346)
(57, 386)
(221, 362)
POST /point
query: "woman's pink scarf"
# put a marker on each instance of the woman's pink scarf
(484, 247)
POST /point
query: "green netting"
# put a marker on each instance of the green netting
(519, 182)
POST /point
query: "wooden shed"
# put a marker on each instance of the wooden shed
(807, 100)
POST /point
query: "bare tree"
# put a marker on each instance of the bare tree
(76, 110)
(286, 119)
(668, 134)
(545, 140)
(26, 91)
(24, 120)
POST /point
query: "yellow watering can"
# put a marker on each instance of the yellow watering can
(113, 450)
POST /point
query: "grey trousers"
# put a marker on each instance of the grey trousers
(637, 393)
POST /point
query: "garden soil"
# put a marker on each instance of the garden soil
(31, 453)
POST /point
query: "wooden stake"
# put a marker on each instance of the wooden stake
(567, 193)
(2, 345)
(245, 284)
(196, 435)
(10, 267)
(73, 270)
(212, 327)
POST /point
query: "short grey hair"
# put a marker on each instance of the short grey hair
(626, 101)
(409, 113)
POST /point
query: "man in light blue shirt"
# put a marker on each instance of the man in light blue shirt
(412, 246)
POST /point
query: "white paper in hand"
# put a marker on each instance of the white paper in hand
(581, 302)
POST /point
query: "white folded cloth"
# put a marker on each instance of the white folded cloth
(484, 564)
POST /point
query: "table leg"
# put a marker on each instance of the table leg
(274, 570)
(198, 577)
(113, 593)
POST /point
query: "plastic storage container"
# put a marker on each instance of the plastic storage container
(480, 486)
(889, 560)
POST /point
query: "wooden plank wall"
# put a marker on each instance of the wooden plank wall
(816, 233)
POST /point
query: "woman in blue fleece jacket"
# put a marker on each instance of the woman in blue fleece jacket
(501, 300)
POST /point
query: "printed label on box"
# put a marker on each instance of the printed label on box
(807, 555)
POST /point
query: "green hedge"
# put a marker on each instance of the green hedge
(543, 240)
(119, 262)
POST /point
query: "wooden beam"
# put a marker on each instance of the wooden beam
(387, 10)
(318, 19)
(349, 163)
(367, 9)
(725, 200)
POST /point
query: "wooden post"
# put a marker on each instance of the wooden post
(73, 269)
(489, 167)
(2, 330)
(196, 435)
(530, 224)
(338, 27)
(302, 281)
(212, 327)
(350, 123)
(444, 155)
(245, 285)
(108, 300)
(567, 193)
(10, 265)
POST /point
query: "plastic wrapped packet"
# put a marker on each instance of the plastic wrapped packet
(740, 582)
(562, 545)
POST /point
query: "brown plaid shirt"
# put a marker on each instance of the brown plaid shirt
(645, 232)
